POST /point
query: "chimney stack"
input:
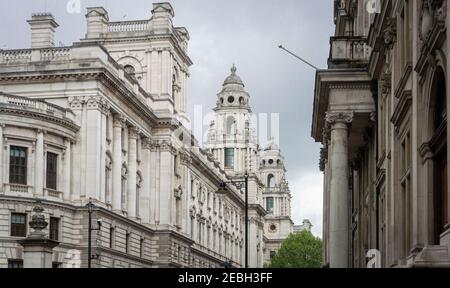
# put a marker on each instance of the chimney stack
(43, 27)
(97, 22)
(162, 18)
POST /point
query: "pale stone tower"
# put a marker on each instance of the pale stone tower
(277, 200)
(233, 143)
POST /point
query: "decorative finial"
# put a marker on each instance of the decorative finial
(233, 69)
(38, 222)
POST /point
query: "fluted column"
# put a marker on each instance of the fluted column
(117, 164)
(132, 152)
(39, 162)
(339, 189)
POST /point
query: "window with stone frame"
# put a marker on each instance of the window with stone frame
(52, 171)
(54, 228)
(406, 199)
(229, 158)
(18, 224)
(18, 165)
(269, 204)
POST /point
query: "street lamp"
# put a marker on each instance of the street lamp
(90, 207)
(239, 184)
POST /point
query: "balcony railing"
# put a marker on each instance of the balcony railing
(34, 105)
(349, 52)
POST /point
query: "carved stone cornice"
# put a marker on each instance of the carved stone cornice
(343, 117)
(63, 122)
(185, 158)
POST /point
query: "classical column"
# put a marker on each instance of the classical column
(132, 152)
(117, 164)
(67, 169)
(339, 189)
(39, 172)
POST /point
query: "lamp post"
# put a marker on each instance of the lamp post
(240, 184)
(90, 207)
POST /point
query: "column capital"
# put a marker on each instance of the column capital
(133, 133)
(119, 121)
(345, 117)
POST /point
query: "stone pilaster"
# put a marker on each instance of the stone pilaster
(119, 122)
(339, 188)
(39, 162)
(132, 168)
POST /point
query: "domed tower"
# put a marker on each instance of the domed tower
(231, 139)
(232, 142)
(277, 199)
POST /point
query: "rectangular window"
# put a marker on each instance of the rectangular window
(111, 237)
(269, 204)
(18, 165)
(229, 158)
(141, 248)
(54, 228)
(14, 264)
(56, 265)
(52, 172)
(18, 225)
(127, 243)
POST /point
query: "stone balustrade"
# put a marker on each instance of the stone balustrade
(35, 105)
(35, 55)
(128, 26)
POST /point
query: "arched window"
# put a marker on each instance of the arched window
(231, 125)
(439, 147)
(271, 181)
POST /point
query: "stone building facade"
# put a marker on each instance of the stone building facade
(104, 120)
(380, 113)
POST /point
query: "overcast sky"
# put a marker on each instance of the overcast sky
(244, 32)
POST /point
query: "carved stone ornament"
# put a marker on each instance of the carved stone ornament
(339, 117)
(38, 222)
(390, 33)
(432, 12)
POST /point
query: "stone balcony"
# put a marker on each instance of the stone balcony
(348, 52)
(33, 105)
